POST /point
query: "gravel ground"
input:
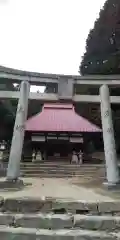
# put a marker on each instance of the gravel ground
(56, 188)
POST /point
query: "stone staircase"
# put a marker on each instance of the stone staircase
(37, 219)
(61, 170)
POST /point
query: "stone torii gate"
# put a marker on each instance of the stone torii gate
(65, 93)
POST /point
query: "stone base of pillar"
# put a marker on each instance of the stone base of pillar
(112, 186)
(9, 184)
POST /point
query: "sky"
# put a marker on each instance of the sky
(46, 36)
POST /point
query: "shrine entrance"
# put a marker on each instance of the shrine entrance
(57, 146)
(59, 150)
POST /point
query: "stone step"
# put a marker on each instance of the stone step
(67, 167)
(7, 233)
(56, 175)
(59, 170)
(61, 221)
(47, 175)
(58, 206)
(77, 168)
(74, 167)
(62, 165)
(60, 174)
(44, 221)
(63, 169)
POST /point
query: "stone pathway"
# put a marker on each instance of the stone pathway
(55, 188)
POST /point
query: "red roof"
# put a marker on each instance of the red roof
(59, 118)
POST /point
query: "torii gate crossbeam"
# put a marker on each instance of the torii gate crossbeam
(43, 97)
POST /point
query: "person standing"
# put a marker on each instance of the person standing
(33, 156)
(80, 157)
(74, 158)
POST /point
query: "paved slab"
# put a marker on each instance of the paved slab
(55, 188)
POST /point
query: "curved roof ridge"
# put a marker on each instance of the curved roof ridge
(58, 106)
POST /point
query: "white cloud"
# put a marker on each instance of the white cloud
(45, 35)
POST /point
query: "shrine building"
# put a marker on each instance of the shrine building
(58, 130)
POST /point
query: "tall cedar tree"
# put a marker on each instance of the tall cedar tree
(102, 54)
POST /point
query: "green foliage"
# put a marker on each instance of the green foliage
(7, 113)
(102, 54)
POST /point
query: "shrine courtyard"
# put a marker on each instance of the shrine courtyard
(73, 189)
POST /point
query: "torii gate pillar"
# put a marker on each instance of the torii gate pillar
(13, 170)
(112, 170)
